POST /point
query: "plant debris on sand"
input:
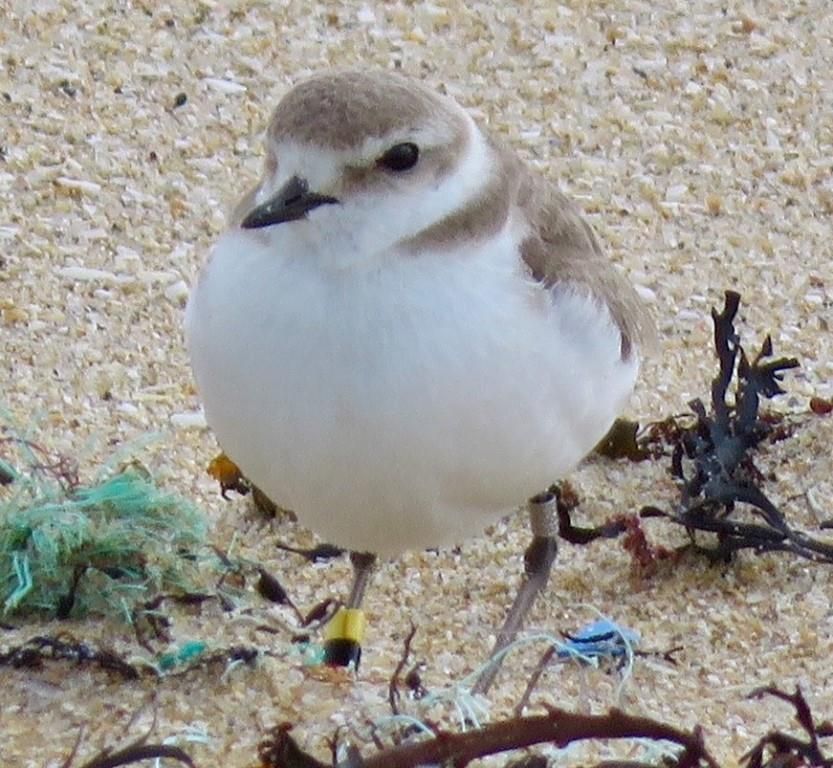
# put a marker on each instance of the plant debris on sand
(712, 460)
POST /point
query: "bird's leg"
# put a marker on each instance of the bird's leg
(345, 632)
(538, 560)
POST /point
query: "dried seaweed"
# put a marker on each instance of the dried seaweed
(787, 750)
(228, 475)
(712, 460)
(621, 442)
(412, 680)
(317, 554)
(279, 750)
(560, 728)
(566, 500)
(178, 665)
(37, 650)
(230, 478)
(556, 726)
(135, 752)
(821, 406)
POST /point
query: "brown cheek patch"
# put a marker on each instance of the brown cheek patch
(357, 179)
(482, 217)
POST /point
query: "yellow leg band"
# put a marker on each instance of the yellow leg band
(347, 624)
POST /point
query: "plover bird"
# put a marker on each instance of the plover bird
(405, 330)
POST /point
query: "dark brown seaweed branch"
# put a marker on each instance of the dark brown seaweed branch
(393, 685)
(787, 750)
(135, 752)
(37, 651)
(34, 652)
(557, 726)
(712, 459)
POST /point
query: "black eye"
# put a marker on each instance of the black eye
(400, 157)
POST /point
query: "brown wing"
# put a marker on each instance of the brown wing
(563, 249)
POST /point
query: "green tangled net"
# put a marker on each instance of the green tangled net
(71, 548)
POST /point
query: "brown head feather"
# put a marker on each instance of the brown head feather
(340, 110)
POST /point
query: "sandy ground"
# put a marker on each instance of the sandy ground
(699, 139)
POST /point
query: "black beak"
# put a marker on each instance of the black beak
(292, 201)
